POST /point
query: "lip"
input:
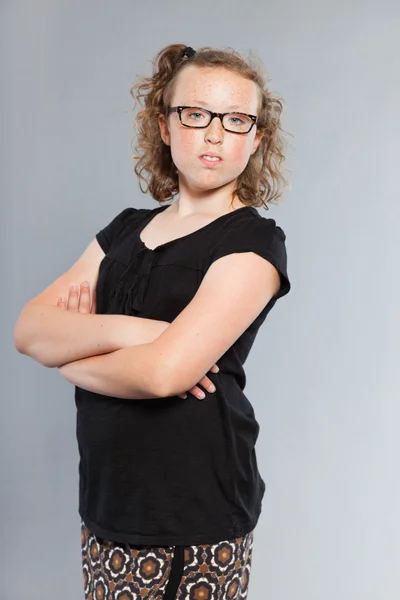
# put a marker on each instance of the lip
(212, 154)
(211, 164)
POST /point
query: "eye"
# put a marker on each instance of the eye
(193, 115)
(236, 120)
(196, 115)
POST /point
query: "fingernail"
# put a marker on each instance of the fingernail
(74, 288)
(211, 388)
(201, 395)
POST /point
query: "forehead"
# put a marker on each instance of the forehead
(215, 87)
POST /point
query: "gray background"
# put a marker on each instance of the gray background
(322, 375)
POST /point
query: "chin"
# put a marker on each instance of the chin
(209, 180)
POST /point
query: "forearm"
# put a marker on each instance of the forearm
(53, 336)
(132, 373)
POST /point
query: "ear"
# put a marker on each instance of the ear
(165, 135)
(256, 142)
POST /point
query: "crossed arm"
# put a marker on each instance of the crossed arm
(134, 330)
(233, 292)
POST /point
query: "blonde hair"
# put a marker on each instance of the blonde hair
(261, 182)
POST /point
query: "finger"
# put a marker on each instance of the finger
(73, 298)
(207, 384)
(197, 392)
(184, 396)
(93, 307)
(214, 368)
(62, 302)
(84, 299)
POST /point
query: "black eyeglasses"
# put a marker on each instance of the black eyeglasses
(199, 118)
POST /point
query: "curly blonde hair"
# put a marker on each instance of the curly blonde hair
(261, 182)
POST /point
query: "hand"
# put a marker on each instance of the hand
(205, 382)
(78, 299)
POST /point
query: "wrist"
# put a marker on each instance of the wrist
(133, 331)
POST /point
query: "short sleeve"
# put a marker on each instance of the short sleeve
(261, 236)
(110, 232)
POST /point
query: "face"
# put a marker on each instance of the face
(219, 90)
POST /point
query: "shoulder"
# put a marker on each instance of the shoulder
(123, 221)
(264, 225)
(248, 231)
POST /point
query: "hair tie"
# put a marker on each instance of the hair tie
(188, 52)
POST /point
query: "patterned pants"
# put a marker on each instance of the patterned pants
(114, 571)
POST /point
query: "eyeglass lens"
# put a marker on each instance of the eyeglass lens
(196, 117)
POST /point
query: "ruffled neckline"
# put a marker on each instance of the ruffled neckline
(130, 291)
(155, 212)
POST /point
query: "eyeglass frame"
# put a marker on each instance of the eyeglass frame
(213, 114)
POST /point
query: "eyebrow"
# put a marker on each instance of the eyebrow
(206, 105)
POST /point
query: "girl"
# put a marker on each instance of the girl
(169, 489)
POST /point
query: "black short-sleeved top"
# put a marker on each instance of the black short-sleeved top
(169, 471)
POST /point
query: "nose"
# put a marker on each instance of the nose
(214, 133)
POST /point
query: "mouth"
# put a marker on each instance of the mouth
(210, 159)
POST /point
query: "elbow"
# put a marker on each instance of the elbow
(24, 328)
(171, 381)
(22, 342)
(166, 383)
(19, 334)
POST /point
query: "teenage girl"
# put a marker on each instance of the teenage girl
(169, 488)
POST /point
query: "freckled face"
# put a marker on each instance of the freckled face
(216, 89)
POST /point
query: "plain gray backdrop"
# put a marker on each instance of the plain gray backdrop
(322, 375)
